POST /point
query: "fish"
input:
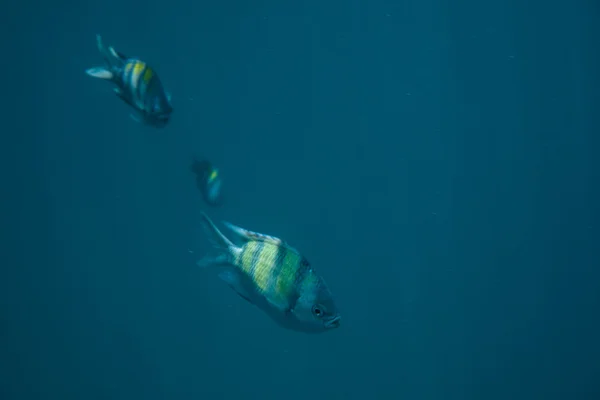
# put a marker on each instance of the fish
(208, 181)
(138, 85)
(273, 276)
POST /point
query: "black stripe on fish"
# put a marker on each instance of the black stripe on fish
(278, 269)
(303, 268)
(125, 77)
(140, 82)
(301, 273)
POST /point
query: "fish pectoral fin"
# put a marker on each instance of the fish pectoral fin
(292, 304)
(234, 282)
(288, 312)
(283, 306)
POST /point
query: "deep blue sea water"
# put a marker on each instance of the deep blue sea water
(436, 161)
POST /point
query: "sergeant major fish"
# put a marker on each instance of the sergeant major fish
(137, 85)
(275, 277)
(208, 181)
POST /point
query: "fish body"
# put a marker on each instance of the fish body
(137, 85)
(208, 181)
(275, 277)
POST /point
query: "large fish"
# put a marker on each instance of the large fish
(275, 277)
(137, 85)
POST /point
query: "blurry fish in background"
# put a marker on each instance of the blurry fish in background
(270, 274)
(208, 181)
(137, 85)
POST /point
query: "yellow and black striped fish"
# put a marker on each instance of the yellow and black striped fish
(275, 277)
(137, 85)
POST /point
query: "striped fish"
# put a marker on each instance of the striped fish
(137, 85)
(275, 277)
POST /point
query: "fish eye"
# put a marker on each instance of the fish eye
(318, 311)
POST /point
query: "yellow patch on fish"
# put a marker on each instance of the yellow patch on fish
(213, 175)
(245, 262)
(258, 260)
(148, 75)
(138, 67)
(265, 267)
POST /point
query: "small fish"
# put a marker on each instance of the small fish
(137, 85)
(275, 277)
(208, 181)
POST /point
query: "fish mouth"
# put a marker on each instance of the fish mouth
(333, 322)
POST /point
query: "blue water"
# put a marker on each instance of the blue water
(435, 161)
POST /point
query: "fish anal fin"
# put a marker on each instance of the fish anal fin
(284, 304)
(120, 95)
(232, 279)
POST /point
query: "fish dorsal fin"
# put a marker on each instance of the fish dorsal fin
(247, 235)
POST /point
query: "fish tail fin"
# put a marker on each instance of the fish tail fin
(217, 238)
(100, 45)
(112, 59)
(104, 72)
(220, 242)
(100, 73)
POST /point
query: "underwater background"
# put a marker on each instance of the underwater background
(435, 160)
